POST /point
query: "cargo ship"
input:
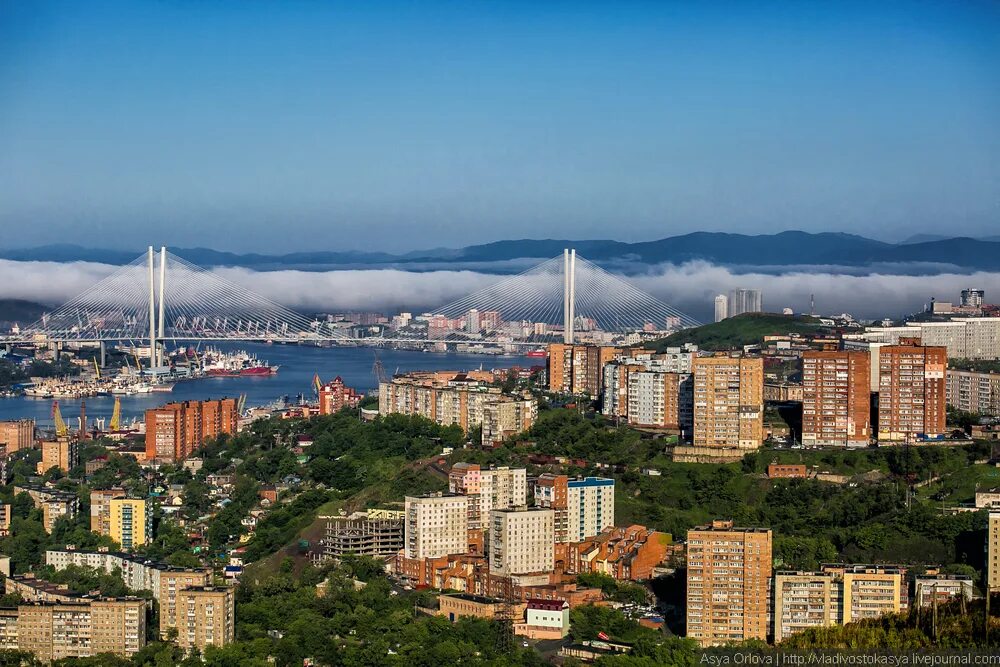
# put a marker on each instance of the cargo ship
(235, 364)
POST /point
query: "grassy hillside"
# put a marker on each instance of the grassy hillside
(735, 332)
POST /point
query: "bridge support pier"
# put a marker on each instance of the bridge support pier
(104, 354)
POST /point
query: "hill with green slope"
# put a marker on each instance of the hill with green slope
(735, 332)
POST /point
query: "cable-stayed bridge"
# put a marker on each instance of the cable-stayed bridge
(160, 297)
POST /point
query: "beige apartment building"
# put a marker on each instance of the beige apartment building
(491, 489)
(836, 400)
(972, 391)
(17, 434)
(522, 541)
(79, 629)
(729, 574)
(205, 616)
(62, 453)
(728, 402)
(100, 509)
(993, 551)
(836, 595)
(436, 525)
(463, 399)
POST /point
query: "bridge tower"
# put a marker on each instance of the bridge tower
(152, 313)
(569, 294)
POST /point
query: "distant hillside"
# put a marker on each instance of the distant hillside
(20, 311)
(735, 332)
(791, 248)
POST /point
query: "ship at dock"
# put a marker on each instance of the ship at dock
(239, 363)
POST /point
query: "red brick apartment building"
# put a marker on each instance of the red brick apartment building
(175, 430)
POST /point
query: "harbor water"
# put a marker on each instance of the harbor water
(298, 366)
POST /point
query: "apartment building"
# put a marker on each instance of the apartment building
(582, 507)
(579, 369)
(17, 434)
(836, 595)
(626, 554)
(590, 507)
(836, 400)
(5, 515)
(205, 616)
(962, 337)
(972, 391)
(32, 589)
(334, 396)
(491, 489)
(62, 453)
(804, 600)
(728, 402)
(911, 400)
(436, 525)
(463, 399)
(54, 504)
(100, 509)
(130, 522)
(522, 541)
(660, 399)
(78, 629)
(993, 550)
(138, 574)
(729, 573)
(175, 430)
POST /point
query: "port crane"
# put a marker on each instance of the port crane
(61, 429)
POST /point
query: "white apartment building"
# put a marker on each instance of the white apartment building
(522, 541)
(436, 525)
(590, 507)
(491, 489)
(964, 337)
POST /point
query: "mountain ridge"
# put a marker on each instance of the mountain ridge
(787, 248)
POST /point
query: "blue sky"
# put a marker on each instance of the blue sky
(274, 126)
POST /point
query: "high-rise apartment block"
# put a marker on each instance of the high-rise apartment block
(175, 430)
(653, 391)
(973, 297)
(963, 337)
(729, 572)
(131, 522)
(911, 400)
(205, 616)
(62, 453)
(579, 369)
(836, 400)
(836, 595)
(582, 507)
(721, 307)
(100, 509)
(436, 525)
(973, 391)
(465, 399)
(728, 402)
(335, 396)
(590, 506)
(492, 489)
(17, 434)
(78, 629)
(744, 301)
(522, 541)
(993, 551)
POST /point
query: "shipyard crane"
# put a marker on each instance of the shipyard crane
(61, 429)
(116, 415)
(97, 368)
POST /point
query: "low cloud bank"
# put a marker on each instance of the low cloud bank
(689, 287)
